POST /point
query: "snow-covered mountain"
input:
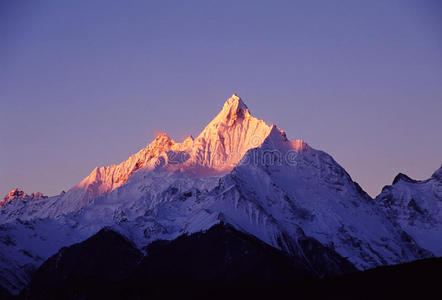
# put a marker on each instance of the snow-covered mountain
(239, 171)
(215, 151)
(416, 206)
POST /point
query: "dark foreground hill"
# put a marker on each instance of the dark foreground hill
(220, 263)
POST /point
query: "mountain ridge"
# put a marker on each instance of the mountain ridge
(239, 171)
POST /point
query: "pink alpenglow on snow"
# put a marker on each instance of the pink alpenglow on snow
(238, 170)
(216, 150)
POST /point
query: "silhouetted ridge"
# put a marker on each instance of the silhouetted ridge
(404, 177)
(219, 263)
(107, 265)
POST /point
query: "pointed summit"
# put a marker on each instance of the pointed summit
(228, 136)
(218, 148)
(234, 108)
(236, 102)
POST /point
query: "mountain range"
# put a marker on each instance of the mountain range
(293, 209)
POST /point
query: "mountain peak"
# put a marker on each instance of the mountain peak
(403, 177)
(161, 136)
(234, 108)
(14, 194)
(162, 140)
(218, 148)
(235, 101)
(18, 193)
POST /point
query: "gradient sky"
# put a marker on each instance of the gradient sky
(87, 83)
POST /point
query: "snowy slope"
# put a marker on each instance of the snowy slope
(303, 191)
(239, 170)
(216, 150)
(416, 206)
(24, 245)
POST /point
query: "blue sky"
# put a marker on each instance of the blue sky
(87, 83)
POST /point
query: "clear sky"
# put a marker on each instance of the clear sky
(87, 83)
